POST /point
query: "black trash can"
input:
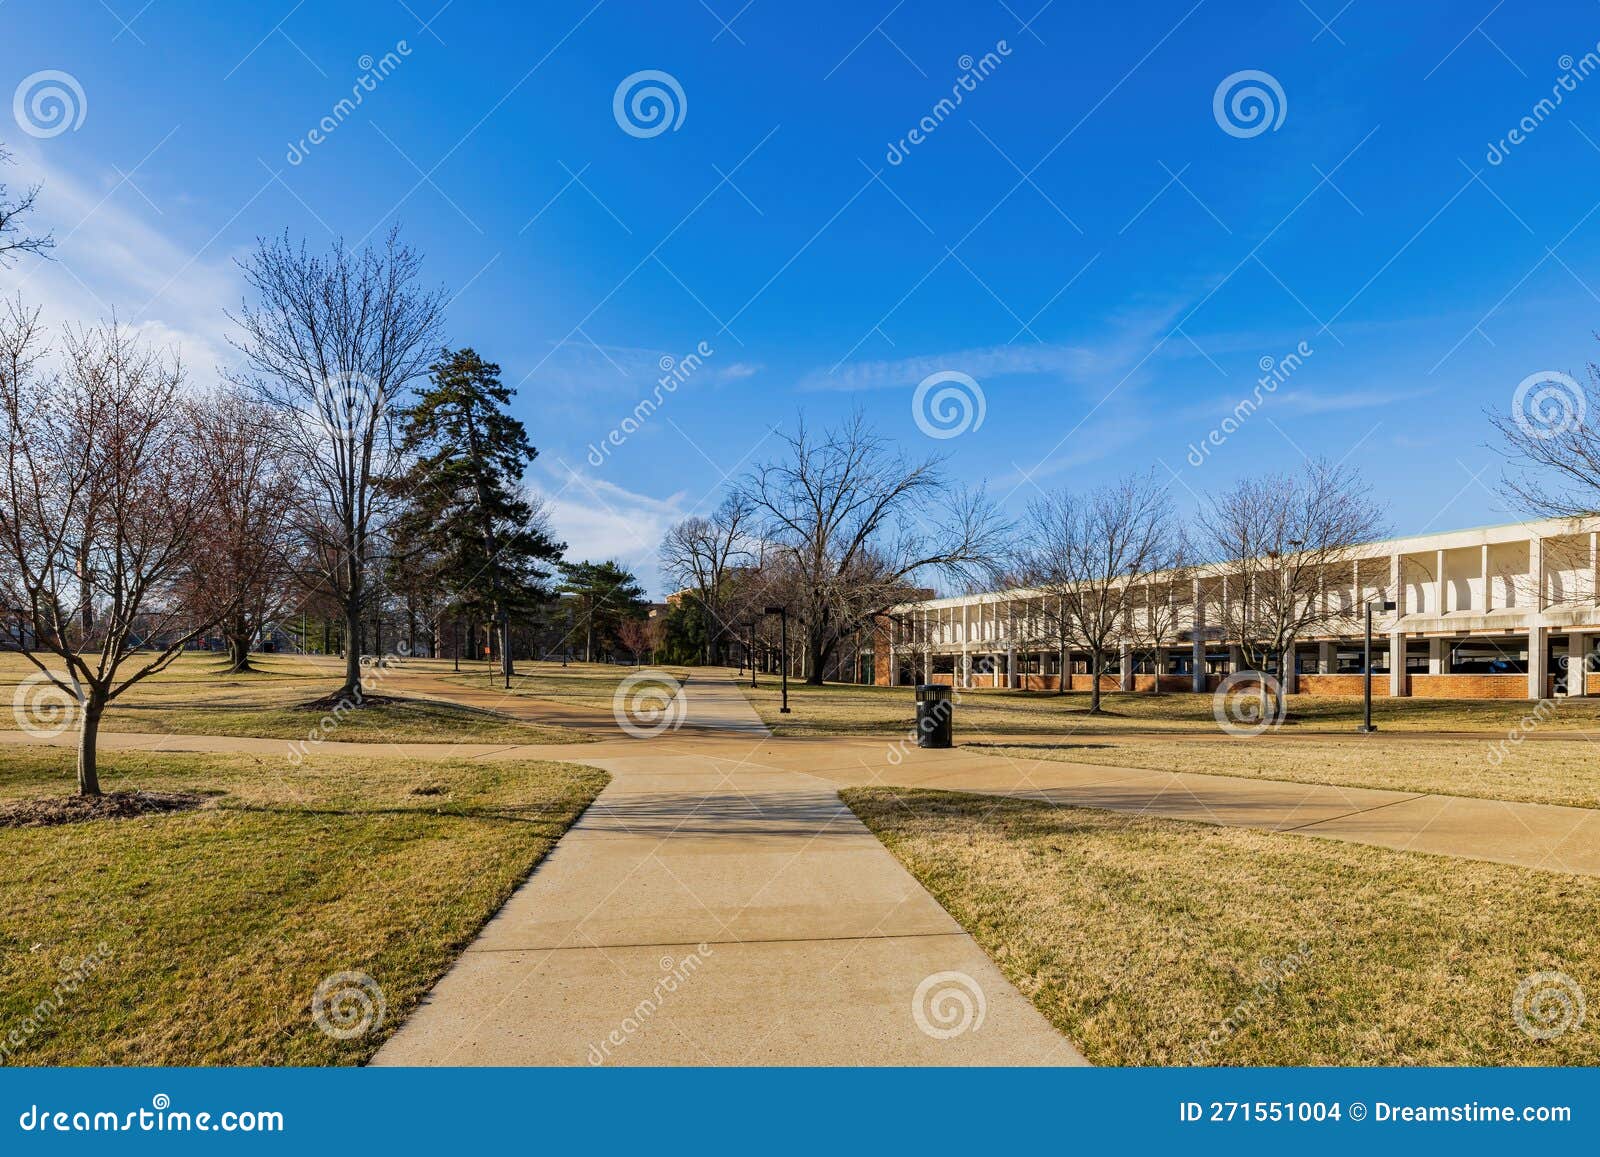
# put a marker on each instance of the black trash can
(935, 705)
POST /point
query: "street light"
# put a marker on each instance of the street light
(783, 661)
(1367, 726)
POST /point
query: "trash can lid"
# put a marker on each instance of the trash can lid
(933, 691)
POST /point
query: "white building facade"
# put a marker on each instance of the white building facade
(1499, 612)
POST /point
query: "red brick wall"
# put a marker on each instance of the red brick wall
(1040, 682)
(1107, 683)
(1469, 686)
(1342, 684)
(881, 659)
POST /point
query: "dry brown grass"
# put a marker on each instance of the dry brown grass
(1140, 938)
(195, 697)
(220, 923)
(854, 709)
(1557, 771)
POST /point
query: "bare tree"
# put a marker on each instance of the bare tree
(857, 521)
(702, 554)
(12, 210)
(1086, 551)
(330, 343)
(243, 572)
(1552, 434)
(1277, 540)
(102, 503)
(638, 636)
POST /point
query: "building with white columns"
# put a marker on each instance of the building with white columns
(1499, 612)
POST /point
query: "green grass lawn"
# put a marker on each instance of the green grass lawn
(854, 709)
(218, 924)
(1554, 771)
(1159, 942)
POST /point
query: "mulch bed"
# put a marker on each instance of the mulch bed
(329, 702)
(77, 809)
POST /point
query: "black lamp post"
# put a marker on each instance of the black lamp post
(1367, 726)
(783, 660)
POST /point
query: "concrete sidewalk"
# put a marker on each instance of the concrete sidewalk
(718, 911)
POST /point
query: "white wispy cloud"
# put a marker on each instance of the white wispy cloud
(117, 254)
(599, 519)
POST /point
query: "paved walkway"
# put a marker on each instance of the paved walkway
(716, 910)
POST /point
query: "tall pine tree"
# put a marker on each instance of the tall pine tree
(467, 521)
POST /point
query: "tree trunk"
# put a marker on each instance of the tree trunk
(1064, 677)
(1094, 682)
(351, 688)
(238, 642)
(88, 744)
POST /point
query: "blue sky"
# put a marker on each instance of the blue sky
(1081, 235)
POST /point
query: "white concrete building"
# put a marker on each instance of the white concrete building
(1497, 612)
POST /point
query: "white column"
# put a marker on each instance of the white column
(1126, 670)
(1397, 583)
(1198, 675)
(1488, 580)
(1536, 572)
(1577, 665)
(1327, 658)
(966, 669)
(1442, 605)
(1011, 668)
(1397, 663)
(1538, 666)
(1437, 656)
(1235, 659)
